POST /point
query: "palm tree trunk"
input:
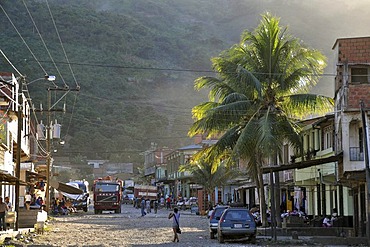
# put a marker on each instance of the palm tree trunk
(261, 189)
(277, 200)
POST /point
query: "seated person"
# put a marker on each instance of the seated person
(285, 214)
(326, 222)
(334, 215)
(39, 201)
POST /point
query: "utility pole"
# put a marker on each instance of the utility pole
(49, 138)
(367, 170)
(48, 157)
(19, 148)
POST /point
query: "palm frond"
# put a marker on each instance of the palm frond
(218, 87)
(301, 105)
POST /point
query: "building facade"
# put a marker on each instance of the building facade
(352, 90)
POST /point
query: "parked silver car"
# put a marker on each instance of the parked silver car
(237, 223)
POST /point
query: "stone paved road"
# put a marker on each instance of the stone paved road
(129, 229)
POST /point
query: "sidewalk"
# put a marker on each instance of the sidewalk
(295, 238)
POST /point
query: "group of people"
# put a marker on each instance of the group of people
(146, 205)
(32, 201)
(62, 206)
(329, 220)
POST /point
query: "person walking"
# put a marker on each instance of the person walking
(168, 203)
(155, 206)
(148, 209)
(3, 210)
(175, 224)
(142, 207)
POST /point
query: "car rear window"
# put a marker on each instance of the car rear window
(237, 215)
(219, 211)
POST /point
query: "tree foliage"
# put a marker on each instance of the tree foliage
(203, 175)
(260, 93)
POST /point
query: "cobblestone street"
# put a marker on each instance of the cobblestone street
(129, 229)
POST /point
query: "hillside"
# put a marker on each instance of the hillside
(135, 61)
(123, 104)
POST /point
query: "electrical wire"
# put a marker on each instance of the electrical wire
(7, 59)
(61, 43)
(168, 69)
(45, 46)
(29, 49)
(43, 42)
(72, 114)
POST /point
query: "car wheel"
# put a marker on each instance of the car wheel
(253, 239)
(212, 235)
(85, 209)
(220, 238)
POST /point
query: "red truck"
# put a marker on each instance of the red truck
(147, 191)
(107, 195)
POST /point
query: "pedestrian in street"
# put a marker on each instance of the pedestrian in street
(155, 206)
(175, 224)
(3, 210)
(168, 202)
(142, 207)
(148, 209)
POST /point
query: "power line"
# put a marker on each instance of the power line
(61, 43)
(133, 67)
(43, 42)
(29, 49)
(166, 69)
(7, 59)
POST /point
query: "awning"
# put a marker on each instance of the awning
(7, 179)
(65, 187)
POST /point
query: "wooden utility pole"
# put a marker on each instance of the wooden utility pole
(50, 108)
(19, 149)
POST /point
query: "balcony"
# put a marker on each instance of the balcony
(356, 154)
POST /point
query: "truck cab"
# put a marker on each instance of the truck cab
(81, 201)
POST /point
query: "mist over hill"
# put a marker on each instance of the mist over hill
(136, 60)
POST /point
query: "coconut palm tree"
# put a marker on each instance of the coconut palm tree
(203, 175)
(261, 90)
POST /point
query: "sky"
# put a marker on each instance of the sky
(319, 23)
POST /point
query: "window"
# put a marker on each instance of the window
(328, 137)
(359, 75)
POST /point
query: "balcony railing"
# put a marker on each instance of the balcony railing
(356, 154)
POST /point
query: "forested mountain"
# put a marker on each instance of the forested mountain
(135, 60)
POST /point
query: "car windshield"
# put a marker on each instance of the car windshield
(237, 215)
